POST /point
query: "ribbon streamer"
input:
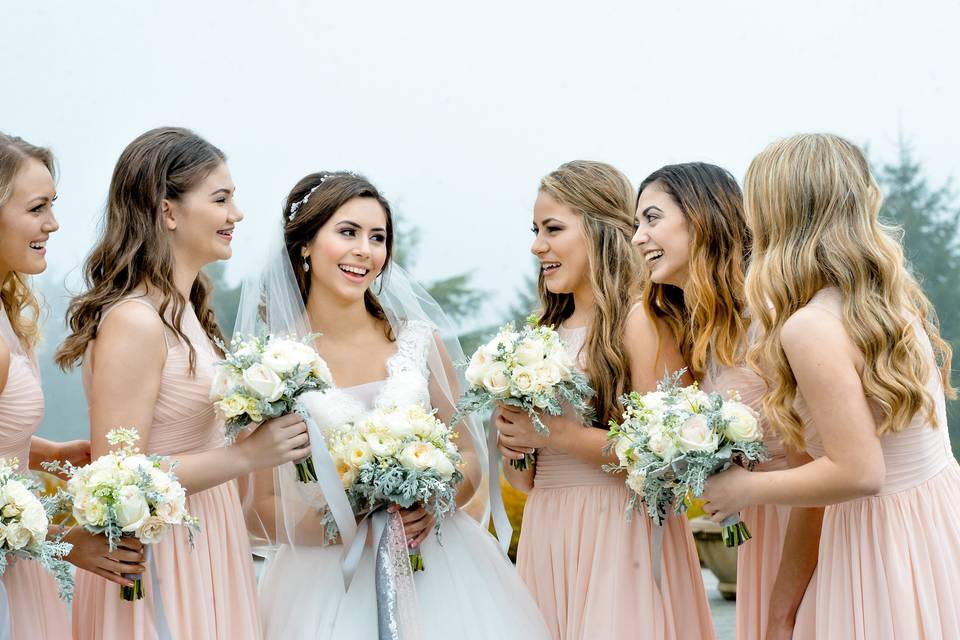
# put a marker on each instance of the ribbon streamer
(501, 523)
(6, 632)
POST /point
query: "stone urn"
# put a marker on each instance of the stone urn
(719, 558)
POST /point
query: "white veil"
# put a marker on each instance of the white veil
(282, 511)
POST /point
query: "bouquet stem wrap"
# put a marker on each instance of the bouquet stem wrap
(137, 591)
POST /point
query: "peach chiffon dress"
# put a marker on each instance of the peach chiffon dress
(889, 566)
(36, 611)
(206, 591)
(590, 570)
(758, 560)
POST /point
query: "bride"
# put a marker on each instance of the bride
(386, 343)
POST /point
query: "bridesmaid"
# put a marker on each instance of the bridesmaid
(27, 193)
(589, 569)
(144, 331)
(693, 238)
(857, 373)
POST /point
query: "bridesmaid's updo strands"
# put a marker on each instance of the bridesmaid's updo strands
(20, 303)
(707, 315)
(133, 249)
(310, 205)
(604, 199)
(813, 208)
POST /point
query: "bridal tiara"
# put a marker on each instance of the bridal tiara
(323, 178)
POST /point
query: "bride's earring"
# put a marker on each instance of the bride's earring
(306, 265)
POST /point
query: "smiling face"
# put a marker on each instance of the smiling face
(662, 236)
(560, 245)
(202, 221)
(27, 220)
(349, 250)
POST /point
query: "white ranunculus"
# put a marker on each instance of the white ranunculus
(696, 435)
(635, 480)
(495, 379)
(348, 475)
(358, 453)
(131, 508)
(152, 530)
(524, 379)
(662, 444)
(530, 352)
(320, 369)
(17, 535)
(223, 383)
(381, 445)
(742, 423)
(417, 456)
(34, 518)
(442, 465)
(261, 380)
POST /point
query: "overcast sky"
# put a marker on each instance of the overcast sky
(456, 110)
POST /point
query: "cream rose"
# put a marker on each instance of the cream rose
(478, 365)
(17, 535)
(131, 508)
(34, 518)
(742, 423)
(662, 444)
(417, 456)
(524, 379)
(152, 530)
(232, 406)
(223, 383)
(530, 353)
(495, 379)
(262, 381)
(696, 435)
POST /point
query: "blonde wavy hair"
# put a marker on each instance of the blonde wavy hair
(20, 303)
(603, 198)
(813, 207)
(706, 317)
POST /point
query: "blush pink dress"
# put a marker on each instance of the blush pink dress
(758, 560)
(590, 570)
(206, 591)
(37, 613)
(889, 566)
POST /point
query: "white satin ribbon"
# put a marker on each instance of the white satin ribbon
(501, 523)
(159, 617)
(6, 632)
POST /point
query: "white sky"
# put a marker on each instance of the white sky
(455, 110)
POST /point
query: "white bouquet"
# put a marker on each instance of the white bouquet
(528, 368)
(127, 493)
(260, 378)
(399, 455)
(24, 522)
(672, 439)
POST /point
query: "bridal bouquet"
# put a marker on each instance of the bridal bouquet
(24, 520)
(127, 493)
(528, 368)
(401, 455)
(672, 439)
(260, 378)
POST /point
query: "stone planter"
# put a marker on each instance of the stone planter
(719, 558)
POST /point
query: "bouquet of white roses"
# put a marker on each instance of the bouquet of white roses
(24, 521)
(672, 439)
(260, 378)
(527, 368)
(400, 455)
(127, 493)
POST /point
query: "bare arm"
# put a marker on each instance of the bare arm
(131, 339)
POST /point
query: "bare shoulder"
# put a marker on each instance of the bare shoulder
(813, 331)
(133, 332)
(641, 330)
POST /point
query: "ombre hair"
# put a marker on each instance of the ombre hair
(706, 317)
(19, 301)
(813, 207)
(134, 250)
(602, 196)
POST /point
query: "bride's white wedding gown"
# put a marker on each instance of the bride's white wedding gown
(468, 590)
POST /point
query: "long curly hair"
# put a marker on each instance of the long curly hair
(813, 207)
(19, 301)
(133, 249)
(706, 317)
(603, 198)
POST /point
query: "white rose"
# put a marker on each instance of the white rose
(530, 353)
(478, 365)
(320, 369)
(742, 423)
(396, 423)
(495, 379)
(442, 465)
(662, 444)
(17, 535)
(88, 509)
(524, 379)
(159, 478)
(622, 450)
(262, 381)
(152, 530)
(696, 435)
(16, 493)
(417, 456)
(223, 383)
(635, 480)
(131, 508)
(172, 507)
(548, 374)
(653, 401)
(34, 518)
(3, 533)
(136, 463)
(246, 349)
(505, 339)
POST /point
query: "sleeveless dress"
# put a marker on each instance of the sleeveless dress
(36, 611)
(590, 570)
(206, 591)
(889, 565)
(468, 590)
(758, 561)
